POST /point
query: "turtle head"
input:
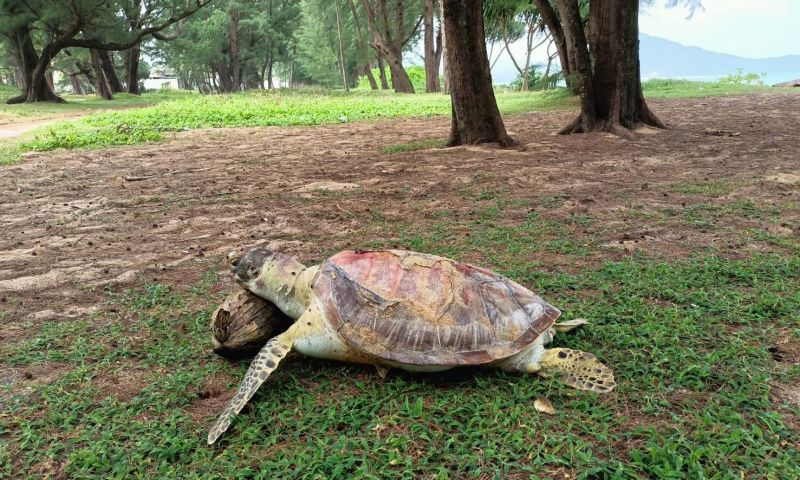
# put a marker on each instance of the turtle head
(272, 276)
(247, 267)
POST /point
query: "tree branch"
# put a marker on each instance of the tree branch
(89, 43)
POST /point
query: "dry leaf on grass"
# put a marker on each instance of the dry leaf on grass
(543, 405)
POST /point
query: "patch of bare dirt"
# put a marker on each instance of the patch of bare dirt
(77, 222)
(122, 383)
(212, 398)
(20, 381)
(11, 127)
(786, 392)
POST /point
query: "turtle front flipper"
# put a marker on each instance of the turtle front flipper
(577, 369)
(263, 365)
(563, 327)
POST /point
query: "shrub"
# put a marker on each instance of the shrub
(416, 73)
(741, 78)
(536, 79)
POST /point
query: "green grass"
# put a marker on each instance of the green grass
(259, 108)
(711, 188)
(689, 340)
(178, 111)
(77, 104)
(415, 145)
(674, 88)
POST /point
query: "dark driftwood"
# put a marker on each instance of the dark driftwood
(243, 323)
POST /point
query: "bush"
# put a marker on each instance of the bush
(8, 91)
(537, 80)
(741, 78)
(416, 73)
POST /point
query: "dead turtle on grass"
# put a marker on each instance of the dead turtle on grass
(408, 310)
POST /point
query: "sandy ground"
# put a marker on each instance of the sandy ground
(75, 222)
(12, 130)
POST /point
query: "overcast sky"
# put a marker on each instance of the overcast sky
(748, 28)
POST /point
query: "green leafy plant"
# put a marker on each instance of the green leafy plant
(741, 78)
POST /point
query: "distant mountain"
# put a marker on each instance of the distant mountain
(664, 58)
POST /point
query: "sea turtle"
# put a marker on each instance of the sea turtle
(417, 312)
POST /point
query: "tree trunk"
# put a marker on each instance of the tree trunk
(77, 89)
(132, 69)
(34, 70)
(243, 323)
(111, 75)
(382, 73)
(86, 71)
(263, 75)
(368, 71)
(400, 81)
(270, 63)
(431, 66)
(445, 74)
(578, 53)
(342, 65)
(437, 55)
(223, 73)
(19, 76)
(550, 20)
(235, 69)
(391, 49)
(611, 94)
(101, 84)
(476, 118)
(360, 43)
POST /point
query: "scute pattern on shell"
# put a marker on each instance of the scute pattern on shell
(420, 309)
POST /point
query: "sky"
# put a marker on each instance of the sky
(747, 28)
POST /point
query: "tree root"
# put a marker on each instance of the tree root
(24, 99)
(16, 100)
(647, 118)
(575, 126)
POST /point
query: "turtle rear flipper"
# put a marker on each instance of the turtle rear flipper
(577, 369)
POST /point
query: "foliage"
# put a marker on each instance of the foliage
(265, 108)
(256, 108)
(7, 91)
(319, 45)
(416, 73)
(6, 66)
(503, 20)
(265, 35)
(80, 104)
(741, 78)
(690, 88)
(415, 145)
(181, 111)
(536, 79)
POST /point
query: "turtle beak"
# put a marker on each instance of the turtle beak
(233, 259)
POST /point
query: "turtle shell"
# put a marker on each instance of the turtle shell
(418, 309)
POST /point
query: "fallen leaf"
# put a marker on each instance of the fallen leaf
(543, 405)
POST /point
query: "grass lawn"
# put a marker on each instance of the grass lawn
(177, 111)
(703, 344)
(77, 104)
(688, 340)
